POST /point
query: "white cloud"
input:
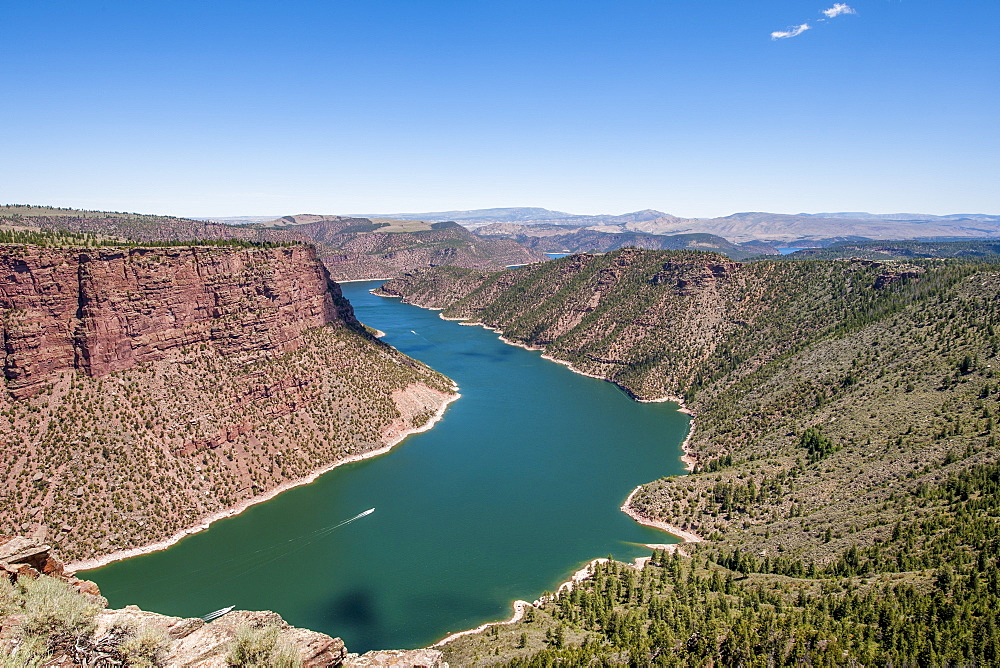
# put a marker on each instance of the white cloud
(791, 32)
(838, 9)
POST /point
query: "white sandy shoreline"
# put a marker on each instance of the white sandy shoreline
(519, 607)
(687, 458)
(684, 535)
(205, 522)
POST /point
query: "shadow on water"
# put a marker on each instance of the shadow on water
(516, 488)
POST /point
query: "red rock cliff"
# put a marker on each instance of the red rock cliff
(105, 310)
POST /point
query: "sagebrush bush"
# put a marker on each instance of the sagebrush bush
(10, 598)
(52, 608)
(145, 647)
(259, 648)
(30, 652)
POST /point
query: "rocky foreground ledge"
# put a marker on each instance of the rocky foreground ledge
(110, 635)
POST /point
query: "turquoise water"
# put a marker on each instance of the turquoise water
(517, 486)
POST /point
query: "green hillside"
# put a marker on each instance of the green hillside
(900, 250)
(845, 434)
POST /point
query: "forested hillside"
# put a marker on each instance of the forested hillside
(114, 227)
(900, 250)
(845, 432)
(667, 323)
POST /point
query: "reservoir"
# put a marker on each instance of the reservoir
(512, 491)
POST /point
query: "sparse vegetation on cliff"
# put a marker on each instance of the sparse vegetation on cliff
(68, 239)
(90, 458)
(270, 379)
(260, 648)
(114, 228)
(53, 624)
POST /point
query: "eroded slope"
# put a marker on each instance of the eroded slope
(149, 388)
(362, 249)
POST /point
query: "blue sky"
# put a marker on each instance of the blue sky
(338, 106)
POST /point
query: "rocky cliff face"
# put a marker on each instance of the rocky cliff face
(351, 248)
(148, 389)
(103, 311)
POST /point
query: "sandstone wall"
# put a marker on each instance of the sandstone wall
(105, 310)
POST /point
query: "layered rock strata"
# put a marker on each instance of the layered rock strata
(107, 310)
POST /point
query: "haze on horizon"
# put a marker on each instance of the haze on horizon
(695, 109)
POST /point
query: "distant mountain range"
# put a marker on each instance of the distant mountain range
(565, 239)
(861, 215)
(775, 228)
(530, 216)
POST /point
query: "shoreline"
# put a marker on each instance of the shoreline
(205, 522)
(360, 280)
(580, 575)
(687, 458)
(566, 586)
(519, 608)
(521, 605)
(684, 535)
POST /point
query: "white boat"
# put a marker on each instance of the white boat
(218, 613)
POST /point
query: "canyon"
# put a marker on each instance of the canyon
(837, 402)
(215, 373)
(843, 447)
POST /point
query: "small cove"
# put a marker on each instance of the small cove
(517, 486)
